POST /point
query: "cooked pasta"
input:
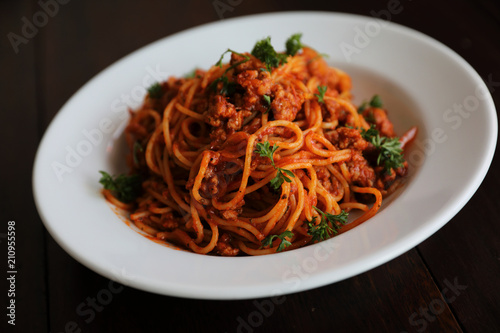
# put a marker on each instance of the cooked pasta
(265, 153)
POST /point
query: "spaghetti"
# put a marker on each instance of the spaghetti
(258, 155)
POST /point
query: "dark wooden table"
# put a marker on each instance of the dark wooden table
(449, 283)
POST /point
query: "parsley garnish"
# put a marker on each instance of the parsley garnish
(265, 150)
(135, 150)
(280, 178)
(391, 154)
(370, 117)
(267, 98)
(321, 95)
(219, 63)
(375, 102)
(268, 241)
(328, 226)
(191, 74)
(265, 52)
(227, 87)
(369, 133)
(155, 90)
(293, 44)
(125, 188)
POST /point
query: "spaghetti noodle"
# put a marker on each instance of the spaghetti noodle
(257, 156)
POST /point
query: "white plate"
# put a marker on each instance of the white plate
(420, 81)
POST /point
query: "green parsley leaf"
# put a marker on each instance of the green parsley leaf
(390, 152)
(191, 74)
(125, 188)
(227, 87)
(280, 178)
(293, 44)
(268, 241)
(137, 148)
(265, 52)
(264, 149)
(370, 117)
(362, 107)
(376, 102)
(267, 98)
(321, 95)
(369, 133)
(328, 225)
(219, 63)
(155, 90)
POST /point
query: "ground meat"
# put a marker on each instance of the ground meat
(286, 103)
(329, 182)
(337, 112)
(224, 118)
(256, 84)
(169, 222)
(253, 63)
(318, 68)
(224, 247)
(219, 110)
(379, 118)
(361, 172)
(347, 138)
(214, 183)
(230, 214)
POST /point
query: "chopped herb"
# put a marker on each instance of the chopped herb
(227, 86)
(265, 52)
(328, 225)
(125, 188)
(293, 44)
(369, 133)
(191, 74)
(370, 117)
(280, 178)
(391, 154)
(267, 98)
(268, 241)
(321, 95)
(155, 90)
(375, 102)
(265, 150)
(137, 148)
(362, 107)
(219, 63)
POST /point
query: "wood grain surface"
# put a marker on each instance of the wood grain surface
(449, 283)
